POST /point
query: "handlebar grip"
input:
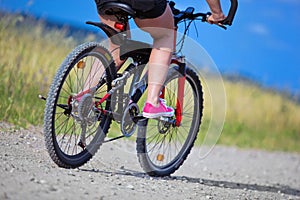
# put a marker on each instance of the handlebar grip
(229, 19)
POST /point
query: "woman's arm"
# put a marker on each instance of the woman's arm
(216, 10)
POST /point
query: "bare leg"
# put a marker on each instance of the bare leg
(162, 31)
(110, 20)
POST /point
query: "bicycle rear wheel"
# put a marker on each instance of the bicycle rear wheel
(163, 146)
(74, 128)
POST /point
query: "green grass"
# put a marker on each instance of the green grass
(30, 54)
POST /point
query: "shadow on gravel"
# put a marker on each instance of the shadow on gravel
(213, 183)
(241, 186)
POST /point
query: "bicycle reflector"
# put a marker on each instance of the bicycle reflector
(119, 26)
(160, 157)
(81, 64)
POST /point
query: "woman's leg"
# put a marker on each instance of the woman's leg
(162, 31)
(110, 20)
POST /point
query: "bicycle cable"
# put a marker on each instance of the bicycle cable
(181, 41)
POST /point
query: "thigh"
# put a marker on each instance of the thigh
(166, 20)
(160, 27)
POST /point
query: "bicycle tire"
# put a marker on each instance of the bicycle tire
(61, 127)
(161, 154)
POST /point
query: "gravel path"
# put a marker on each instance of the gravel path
(27, 172)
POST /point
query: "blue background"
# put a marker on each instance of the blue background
(263, 43)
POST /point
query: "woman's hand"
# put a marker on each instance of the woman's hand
(216, 18)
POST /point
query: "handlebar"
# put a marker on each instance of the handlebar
(189, 14)
(231, 13)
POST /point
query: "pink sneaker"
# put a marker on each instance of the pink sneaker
(162, 110)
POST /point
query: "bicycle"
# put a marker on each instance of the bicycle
(88, 93)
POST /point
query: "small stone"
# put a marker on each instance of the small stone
(4, 196)
(130, 187)
(52, 189)
(71, 173)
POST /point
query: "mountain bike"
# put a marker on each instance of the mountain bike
(89, 93)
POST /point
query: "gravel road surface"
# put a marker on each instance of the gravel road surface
(27, 172)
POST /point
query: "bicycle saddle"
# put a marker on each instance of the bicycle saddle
(113, 8)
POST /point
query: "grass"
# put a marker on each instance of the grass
(31, 52)
(260, 118)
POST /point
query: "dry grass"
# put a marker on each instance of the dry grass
(260, 118)
(30, 55)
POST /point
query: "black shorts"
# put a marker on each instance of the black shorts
(145, 9)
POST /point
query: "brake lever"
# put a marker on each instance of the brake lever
(222, 26)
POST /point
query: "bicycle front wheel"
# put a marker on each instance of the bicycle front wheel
(74, 127)
(162, 146)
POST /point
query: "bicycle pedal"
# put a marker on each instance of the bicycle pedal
(166, 119)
